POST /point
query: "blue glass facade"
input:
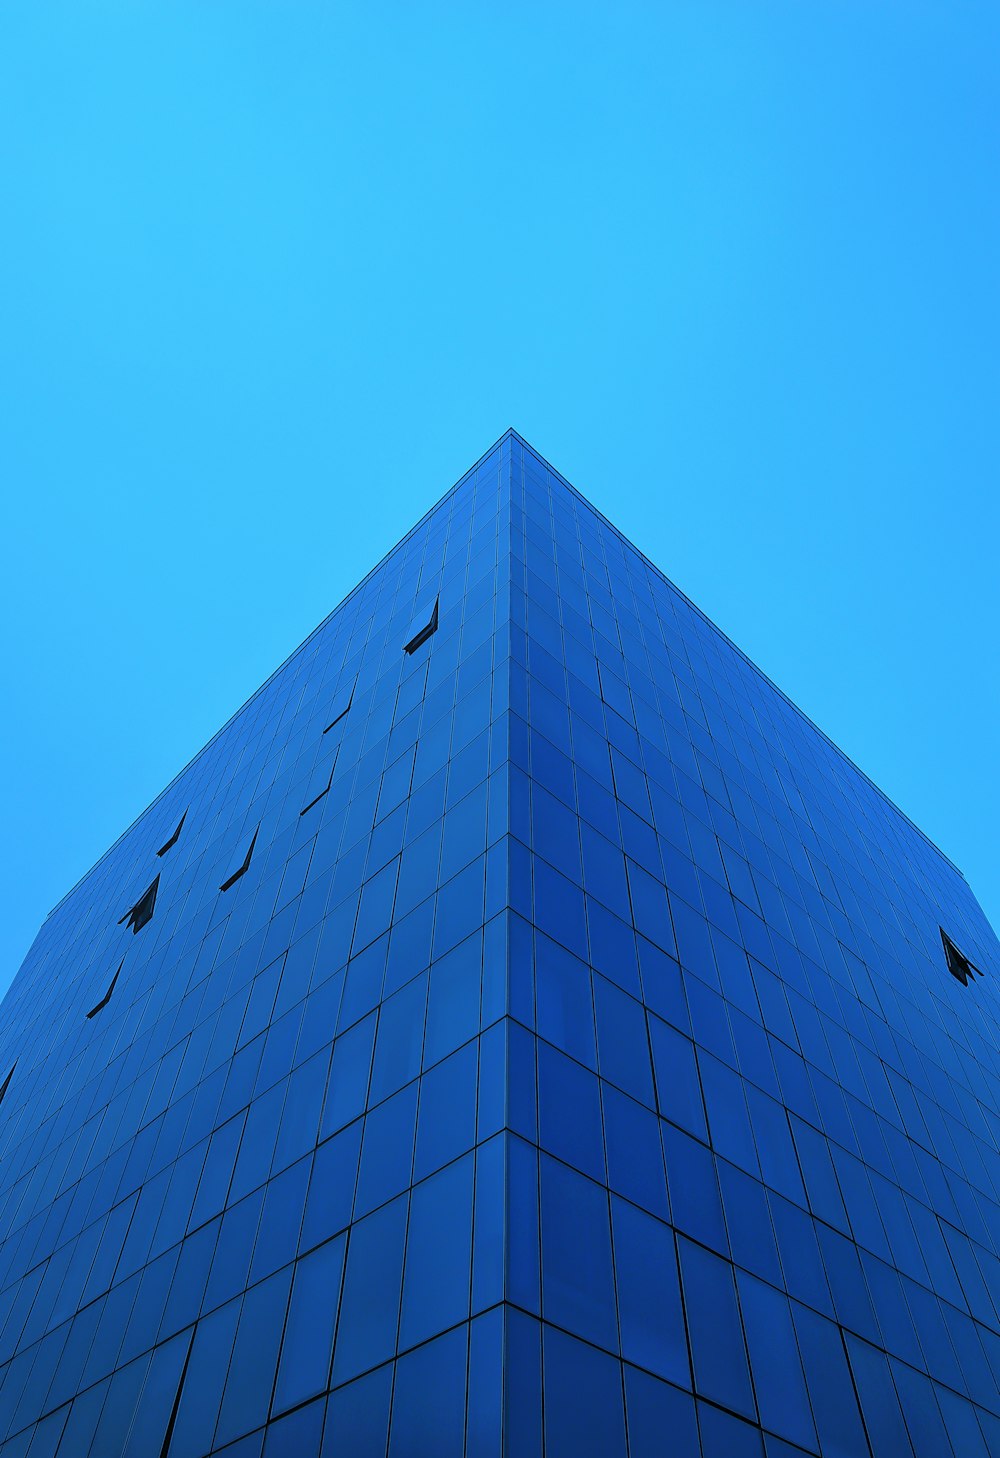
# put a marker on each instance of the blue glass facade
(520, 1032)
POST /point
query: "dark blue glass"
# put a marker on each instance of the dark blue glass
(583, 1411)
(583, 1073)
(438, 1254)
(308, 1338)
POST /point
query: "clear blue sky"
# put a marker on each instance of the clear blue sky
(273, 275)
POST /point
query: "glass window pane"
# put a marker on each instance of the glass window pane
(649, 1297)
(428, 1405)
(308, 1337)
(577, 1282)
(369, 1308)
(718, 1351)
(436, 1280)
(583, 1399)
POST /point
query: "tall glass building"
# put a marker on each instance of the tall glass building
(519, 1031)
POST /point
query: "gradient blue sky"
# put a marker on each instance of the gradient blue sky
(273, 275)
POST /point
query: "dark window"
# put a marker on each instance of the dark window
(240, 861)
(107, 996)
(6, 1083)
(171, 1421)
(958, 964)
(339, 707)
(423, 625)
(138, 915)
(320, 783)
(173, 839)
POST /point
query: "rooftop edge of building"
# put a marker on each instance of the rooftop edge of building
(509, 434)
(734, 646)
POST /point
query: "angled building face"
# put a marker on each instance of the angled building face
(519, 1032)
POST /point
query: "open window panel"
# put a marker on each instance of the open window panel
(169, 845)
(137, 916)
(6, 1083)
(320, 781)
(958, 963)
(341, 703)
(98, 1006)
(166, 1353)
(240, 861)
(424, 623)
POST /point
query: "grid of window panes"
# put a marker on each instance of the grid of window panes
(753, 1174)
(251, 1149)
(518, 1032)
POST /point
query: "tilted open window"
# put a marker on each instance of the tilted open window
(138, 915)
(240, 860)
(319, 782)
(175, 1406)
(107, 996)
(6, 1083)
(341, 703)
(423, 625)
(174, 838)
(958, 964)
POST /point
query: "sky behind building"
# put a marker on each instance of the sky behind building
(274, 277)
